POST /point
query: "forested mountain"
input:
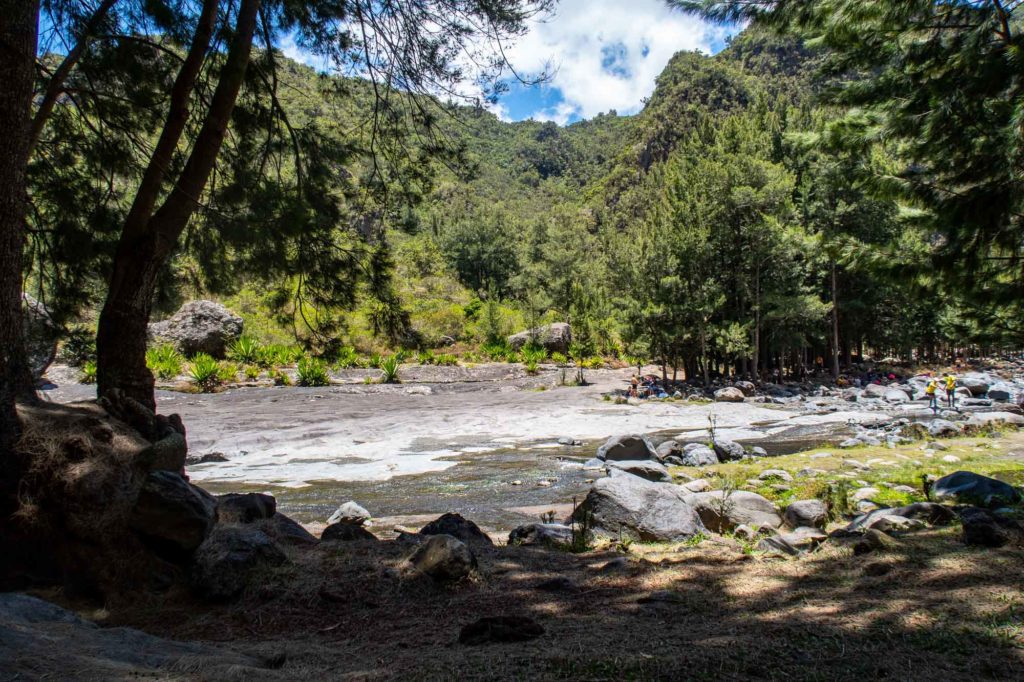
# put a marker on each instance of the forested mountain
(712, 231)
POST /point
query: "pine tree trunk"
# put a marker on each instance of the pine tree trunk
(19, 20)
(147, 244)
(835, 322)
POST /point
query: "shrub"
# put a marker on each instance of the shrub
(279, 355)
(205, 372)
(346, 357)
(559, 359)
(79, 347)
(245, 349)
(89, 372)
(390, 367)
(373, 362)
(593, 363)
(227, 372)
(403, 355)
(252, 372)
(164, 361)
(280, 378)
(312, 372)
(426, 357)
(533, 357)
(446, 360)
(497, 351)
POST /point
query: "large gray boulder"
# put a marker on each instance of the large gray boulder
(647, 470)
(798, 542)
(40, 333)
(729, 394)
(225, 562)
(930, 512)
(975, 383)
(942, 427)
(728, 450)
(971, 488)
(806, 513)
(443, 558)
(171, 513)
(630, 447)
(721, 511)
(245, 507)
(698, 455)
(984, 528)
(1001, 392)
(346, 532)
(639, 509)
(555, 338)
(40, 640)
(199, 327)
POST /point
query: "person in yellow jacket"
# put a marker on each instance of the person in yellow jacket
(932, 391)
(950, 389)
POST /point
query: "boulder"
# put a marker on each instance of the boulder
(546, 534)
(775, 474)
(722, 511)
(975, 384)
(729, 394)
(728, 450)
(350, 512)
(444, 558)
(458, 527)
(987, 418)
(747, 387)
(798, 542)
(500, 629)
(984, 528)
(876, 391)
(670, 448)
(345, 532)
(647, 470)
(206, 458)
(40, 640)
(942, 427)
(199, 327)
(286, 530)
(698, 486)
(698, 456)
(639, 509)
(758, 451)
(40, 333)
(173, 515)
(1001, 392)
(224, 563)
(555, 338)
(630, 447)
(892, 524)
(896, 396)
(806, 513)
(930, 512)
(971, 488)
(245, 507)
(874, 541)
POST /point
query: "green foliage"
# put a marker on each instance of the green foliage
(346, 357)
(446, 360)
(426, 357)
(279, 355)
(204, 372)
(312, 372)
(559, 358)
(252, 372)
(245, 349)
(227, 372)
(498, 351)
(89, 372)
(164, 361)
(280, 378)
(78, 347)
(389, 366)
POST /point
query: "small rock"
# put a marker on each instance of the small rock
(443, 558)
(728, 450)
(729, 394)
(806, 513)
(245, 507)
(630, 447)
(758, 451)
(972, 488)
(984, 528)
(799, 541)
(874, 541)
(864, 493)
(698, 486)
(350, 512)
(647, 470)
(780, 474)
(892, 524)
(223, 564)
(549, 534)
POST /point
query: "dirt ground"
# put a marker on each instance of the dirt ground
(930, 608)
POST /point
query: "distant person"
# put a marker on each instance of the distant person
(950, 389)
(931, 390)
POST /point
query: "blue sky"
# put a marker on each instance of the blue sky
(602, 55)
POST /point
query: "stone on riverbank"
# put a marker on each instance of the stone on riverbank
(722, 511)
(443, 558)
(245, 507)
(729, 394)
(344, 531)
(458, 527)
(971, 488)
(806, 513)
(639, 509)
(628, 447)
(226, 560)
(199, 327)
(546, 534)
(554, 338)
(350, 512)
(647, 470)
(173, 515)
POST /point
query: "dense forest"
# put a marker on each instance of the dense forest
(740, 223)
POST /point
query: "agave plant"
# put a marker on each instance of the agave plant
(426, 357)
(164, 361)
(389, 366)
(446, 359)
(245, 349)
(252, 372)
(89, 372)
(227, 371)
(204, 371)
(347, 357)
(312, 372)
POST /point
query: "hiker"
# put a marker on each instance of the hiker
(931, 390)
(950, 390)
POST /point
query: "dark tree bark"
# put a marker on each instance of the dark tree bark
(19, 20)
(148, 238)
(834, 350)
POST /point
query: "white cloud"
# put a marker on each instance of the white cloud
(608, 52)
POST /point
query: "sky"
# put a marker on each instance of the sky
(601, 55)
